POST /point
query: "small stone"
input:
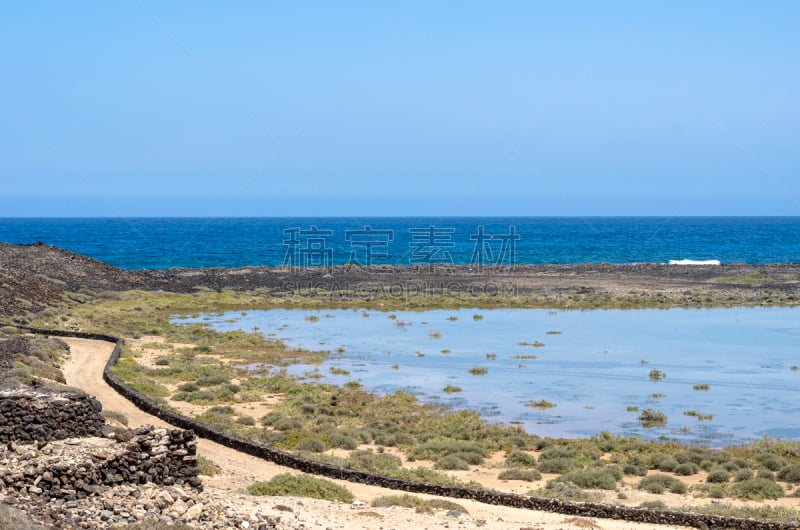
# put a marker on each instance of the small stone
(453, 513)
(194, 511)
(178, 508)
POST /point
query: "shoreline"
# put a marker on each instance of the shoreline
(40, 276)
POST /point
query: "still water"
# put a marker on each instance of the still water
(599, 368)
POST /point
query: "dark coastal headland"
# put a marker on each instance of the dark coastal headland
(36, 276)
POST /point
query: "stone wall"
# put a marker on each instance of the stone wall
(486, 496)
(27, 416)
(79, 467)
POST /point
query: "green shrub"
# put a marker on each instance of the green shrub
(246, 420)
(716, 491)
(718, 475)
(520, 459)
(559, 465)
(113, 415)
(565, 491)
(528, 475)
(661, 483)
(757, 489)
(790, 473)
(635, 470)
(419, 504)
(343, 441)
(287, 424)
(451, 462)
(379, 464)
(211, 380)
(686, 469)
(206, 467)
(652, 418)
(312, 445)
(653, 505)
(434, 449)
(188, 387)
(743, 474)
(591, 478)
(770, 461)
(765, 474)
(669, 464)
(451, 389)
(286, 485)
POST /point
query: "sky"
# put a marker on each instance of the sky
(399, 108)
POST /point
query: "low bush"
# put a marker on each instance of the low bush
(661, 483)
(248, 421)
(312, 445)
(718, 475)
(669, 464)
(566, 491)
(590, 478)
(287, 485)
(528, 475)
(206, 467)
(770, 461)
(653, 505)
(379, 464)
(635, 470)
(790, 473)
(652, 418)
(757, 489)
(451, 462)
(686, 469)
(520, 459)
(559, 465)
(419, 504)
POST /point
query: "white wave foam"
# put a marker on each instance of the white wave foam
(694, 262)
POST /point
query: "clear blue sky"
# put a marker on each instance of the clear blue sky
(403, 108)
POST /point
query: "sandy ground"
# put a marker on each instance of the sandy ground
(84, 370)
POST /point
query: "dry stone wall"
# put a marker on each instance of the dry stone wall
(27, 416)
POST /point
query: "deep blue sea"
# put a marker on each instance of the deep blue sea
(136, 243)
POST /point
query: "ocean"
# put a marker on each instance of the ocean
(155, 243)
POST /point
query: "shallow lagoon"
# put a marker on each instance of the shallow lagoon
(594, 369)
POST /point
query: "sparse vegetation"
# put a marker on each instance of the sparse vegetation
(652, 418)
(527, 475)
(419, 504)
(478, 370)
(287, 485)
(660, 483)
(541, 404)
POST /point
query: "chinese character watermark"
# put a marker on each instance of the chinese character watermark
(374, 244)
(307, 248)
(486, 251)
(430, 245)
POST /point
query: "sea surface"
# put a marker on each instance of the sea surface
(594, 366)
(154, 243)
